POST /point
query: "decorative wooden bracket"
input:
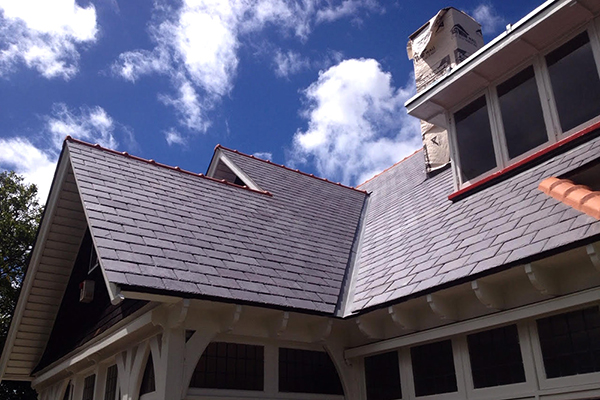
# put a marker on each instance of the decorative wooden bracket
(321, 330)
(593, 251)
(231, 319)
(369, 328)
(443, 308)
(542, 280)
(279, 324)
(488, 294)
(402, 318)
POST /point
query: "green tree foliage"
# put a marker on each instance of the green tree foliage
(19, 218)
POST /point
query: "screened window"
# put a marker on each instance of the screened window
(496, 357)
(382, 376)
(148, 380)
(570, 342)
(230, 366)
(88, 387)
(474, 140)
(304, 371)
(522, 115)
(575, 82)
(110, 392)
(433, 368)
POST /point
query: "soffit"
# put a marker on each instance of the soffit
(47, 276)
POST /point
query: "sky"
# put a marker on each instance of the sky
(318, 85)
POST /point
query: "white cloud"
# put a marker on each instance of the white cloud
(197, 46)
(264, 155)
(357, 123)
(45, 35)
(289, 63)
(91, 124)
(173, 137)
(490, 22)
(35, 165)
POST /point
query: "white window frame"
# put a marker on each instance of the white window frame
(581, 381)
(510, 391)
(549, 109)
(407, 376)
(271, 374)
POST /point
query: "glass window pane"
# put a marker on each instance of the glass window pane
(474, 139)
(575, 82)
(306, 371)
(230, 366)
(433, 368)
(522, 116)
(88, 387)
(148, 380)
(382, 375)
(110, 391)
(496, 357)
(570, 342)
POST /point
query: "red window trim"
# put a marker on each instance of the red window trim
(496, 175)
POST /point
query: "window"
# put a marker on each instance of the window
(148, 380)
(305, 371)
(382, 376)
(522, 115)
(67, 395)
(575, 82)
(570, 342)
(433, 368)
(88, 387)
(110, 392)
(474, 140)
(496, 357)
(230, 366)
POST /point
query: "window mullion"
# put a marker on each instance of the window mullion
(542, 79)
(494, 114)
(595, 42)
(498, 136)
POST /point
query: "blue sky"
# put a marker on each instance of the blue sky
(318, 85)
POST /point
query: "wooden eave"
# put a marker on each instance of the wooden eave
(59, 237)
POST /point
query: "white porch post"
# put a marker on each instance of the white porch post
(170, 367)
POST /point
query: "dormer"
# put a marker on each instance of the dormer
(529, 91)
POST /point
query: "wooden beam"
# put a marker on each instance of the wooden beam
(442, 307)
(279, 324)
(542, 279)
(369, 328)
(593, 251)
(488, 294)
(321, 330)
(231, 318)
(403, 318)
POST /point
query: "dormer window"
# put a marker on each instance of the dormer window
(547, 98)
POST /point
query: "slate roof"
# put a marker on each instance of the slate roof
(160, 229)
(416, 239)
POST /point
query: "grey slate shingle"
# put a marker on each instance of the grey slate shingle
(158, 228)
(504, 223)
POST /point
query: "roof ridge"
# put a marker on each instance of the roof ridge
(391, 166)
(69, 138)
(290, 169)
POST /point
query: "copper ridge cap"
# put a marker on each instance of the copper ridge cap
(152, 162)
(289, 169)
(391, 166)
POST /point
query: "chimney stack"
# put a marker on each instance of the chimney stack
(436, 48)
